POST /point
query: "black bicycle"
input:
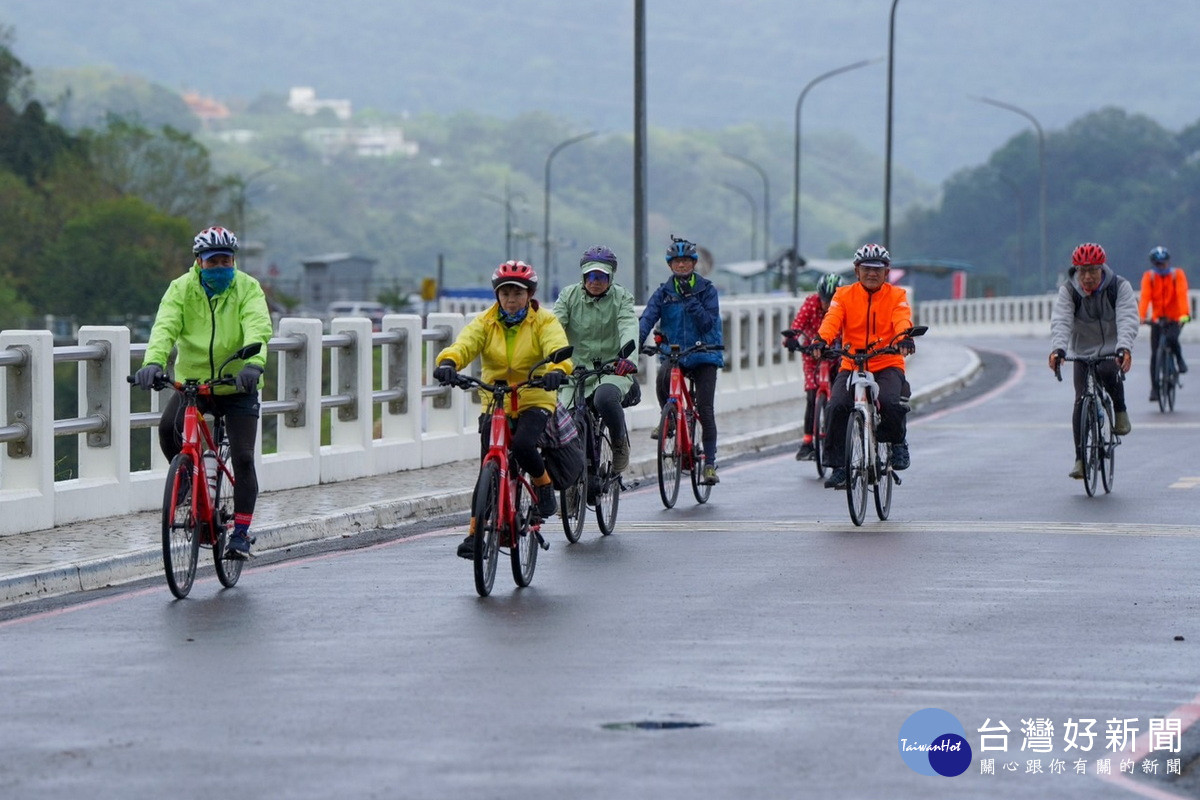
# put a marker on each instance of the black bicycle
(1097, 439)
(1166, 369)
(599, 485)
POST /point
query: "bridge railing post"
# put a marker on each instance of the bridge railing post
(27, 463)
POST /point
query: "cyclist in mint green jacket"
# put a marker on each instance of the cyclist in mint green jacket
(208, 313)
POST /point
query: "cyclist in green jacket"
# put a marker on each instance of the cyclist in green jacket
(208, 313)
(598, 317)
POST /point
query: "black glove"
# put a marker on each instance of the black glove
(445, 373)
(906, 346)
(553, 379)
(247, 379)
(793, 344)
(147, 375)
(816, 348)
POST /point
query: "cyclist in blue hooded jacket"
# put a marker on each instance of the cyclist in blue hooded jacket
(687, 311)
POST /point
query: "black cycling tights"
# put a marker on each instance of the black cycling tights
(241, 425)
(704, 376)
(528, 429)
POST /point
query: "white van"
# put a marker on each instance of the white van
(357, 308)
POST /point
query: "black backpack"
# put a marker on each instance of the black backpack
(1110, 292)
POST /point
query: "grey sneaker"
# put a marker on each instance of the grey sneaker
(836, 479)
(1121, 424)
(620, 451)
(1077, 471)
(709, 475)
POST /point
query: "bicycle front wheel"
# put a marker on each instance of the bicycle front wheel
(180, 529)
(700, 489)
(608, 480)
(524, 550)
(1108, 450)
(487, 533)
(1089, 443)
(883, 480)
(856, 466)
(572, 506)
(1171, 383)
(228, 569)
(819, 422)
(670, 467)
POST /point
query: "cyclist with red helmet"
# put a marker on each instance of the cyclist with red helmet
(1095, 314)
(598, 315)
(511, 337)
(864, 314)
(1164, 297)
(807, 322)
(687, 311)
(206, 314)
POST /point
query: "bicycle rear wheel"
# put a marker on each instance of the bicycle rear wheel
(1089, 443)
(572, 506)
(1172, 381)
(228, 569)
(180, 529)
(700, 489)
(1161, 379)
(883, 480)
(1108, 450)
(670, 467)
(487, 521)
(608, 496)
(856, 467)
(819, 434)
(524, 549)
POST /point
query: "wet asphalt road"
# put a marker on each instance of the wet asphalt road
(796, 643)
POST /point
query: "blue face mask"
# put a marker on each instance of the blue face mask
(513, 319)
(1162, 269)
(216, 279)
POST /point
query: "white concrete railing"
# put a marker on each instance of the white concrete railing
(383, 413)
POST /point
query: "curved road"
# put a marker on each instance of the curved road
(767, 647)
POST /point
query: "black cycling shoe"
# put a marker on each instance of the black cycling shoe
(466, 548)
(546, 504)
(836, 479)
(900, 459)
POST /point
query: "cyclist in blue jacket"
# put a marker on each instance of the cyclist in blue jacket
(687, 311)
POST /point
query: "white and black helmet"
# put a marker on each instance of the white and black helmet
(872, 255)
(215, 238)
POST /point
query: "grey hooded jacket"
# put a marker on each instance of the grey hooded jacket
(1097, 327)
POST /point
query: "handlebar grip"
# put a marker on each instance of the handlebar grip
(131, 379)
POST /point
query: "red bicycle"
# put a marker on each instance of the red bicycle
(825, 373)
(198, 498)
(504, 507)
(680, 433)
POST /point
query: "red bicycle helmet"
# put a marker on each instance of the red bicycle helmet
(1088, 254)
(518, 273)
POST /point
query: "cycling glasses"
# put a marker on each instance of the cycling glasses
(597, 276)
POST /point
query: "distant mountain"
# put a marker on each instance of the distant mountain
(711, 63)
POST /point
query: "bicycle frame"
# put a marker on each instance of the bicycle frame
(198, 437)
(679, 395)
(1095, 420)
(499, 443)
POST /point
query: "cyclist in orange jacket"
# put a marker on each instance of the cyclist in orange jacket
(865, 314)
(1164, 298)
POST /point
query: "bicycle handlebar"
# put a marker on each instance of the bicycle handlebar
(163, 381)
(672, 351)
(1089, 360)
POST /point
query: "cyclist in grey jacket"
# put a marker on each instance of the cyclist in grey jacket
(1095, 314)
(597, 314)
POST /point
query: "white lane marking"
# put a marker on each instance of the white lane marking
(947, 526)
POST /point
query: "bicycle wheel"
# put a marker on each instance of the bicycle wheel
(180, 530)
(700, 489)
(228, 569)
(524, 549)
(572, 506)
(608, 496)
(669, 459)
(487, 522)
(856, 467)
(1089, 443)
(883, 480)
(1172, 382)
(1161, 379)
(1108, 442)
(819, 422)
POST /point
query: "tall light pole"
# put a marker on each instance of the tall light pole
(546, 201)
(887, 159)
(766, 201)
(795, 260)
(753, 213)
(506, 201)
(1041, 175)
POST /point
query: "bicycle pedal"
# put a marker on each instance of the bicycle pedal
(896, 477)
(542, 543)
(628, 487)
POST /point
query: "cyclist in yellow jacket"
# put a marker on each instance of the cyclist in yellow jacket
(208, 313)
(512, 336)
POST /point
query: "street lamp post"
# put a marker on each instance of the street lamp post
(887, 160)
(766, 201)
(753, 213)
(546, 200)
(1041, 175)
(506, 201)
(795, 260)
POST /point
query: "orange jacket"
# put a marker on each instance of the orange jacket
(865, 320)
(1166, 294)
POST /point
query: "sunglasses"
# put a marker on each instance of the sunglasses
(597, 276)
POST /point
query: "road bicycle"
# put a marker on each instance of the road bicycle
(868, 460)
(825, 373)
(197, 508)
(1166, 369)
(1097, 439)
(680, 432)
(504, 504)
(599, 486)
